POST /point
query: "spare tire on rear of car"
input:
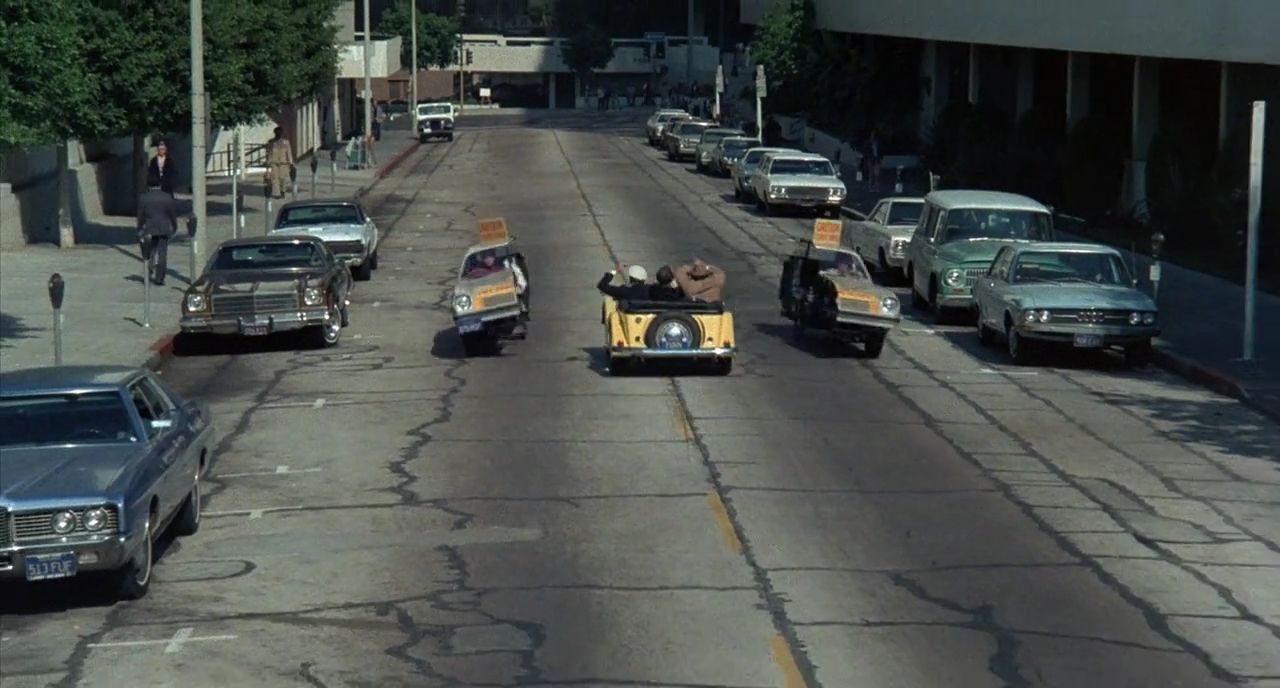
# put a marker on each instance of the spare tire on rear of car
(673, 331)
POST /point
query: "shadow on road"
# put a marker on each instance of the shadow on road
(13, 327)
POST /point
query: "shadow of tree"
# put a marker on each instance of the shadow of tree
(13, 327)
(1216, 424)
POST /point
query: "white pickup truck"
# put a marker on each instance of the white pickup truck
(434, 120)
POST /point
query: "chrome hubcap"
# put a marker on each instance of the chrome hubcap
(333, 325)
(674, 335)
(143, 573)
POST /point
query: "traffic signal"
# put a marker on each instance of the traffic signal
(469, 56)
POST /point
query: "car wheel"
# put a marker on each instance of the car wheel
(940, 313)
(724, 366)
(667, 326)
(874, 344)
(135, 576)
(362, 272)
(1138, 355)
(985, 335)
(190, 344)
(449, 138)
(899, 275)
(373, 261)
(737, 194)
(423, 139)
(882, 266)
(768, 209)
(1019, 351)
(326, 335)
(618, 366)
(188, 520)
(472, 344)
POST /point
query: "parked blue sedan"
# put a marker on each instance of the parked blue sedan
(1066, 294)
(95, 463)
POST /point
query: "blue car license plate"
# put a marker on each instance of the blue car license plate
(50, 566)
(1088, 341)
(469, 326)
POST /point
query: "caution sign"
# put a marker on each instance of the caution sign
(494, 231)
(826, 233)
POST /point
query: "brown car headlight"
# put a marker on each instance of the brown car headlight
(195, 303)
(312, 297)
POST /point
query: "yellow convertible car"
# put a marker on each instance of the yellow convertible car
(827, 287)
(637, 332)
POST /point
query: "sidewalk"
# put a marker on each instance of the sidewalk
(1203, 319)
(103, 313)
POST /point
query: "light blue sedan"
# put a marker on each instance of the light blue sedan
(95, 463)
(1041, 295)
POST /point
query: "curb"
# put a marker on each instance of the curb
(161, 350)
(1212, 380)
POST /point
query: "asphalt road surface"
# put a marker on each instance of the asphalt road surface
(387, 513)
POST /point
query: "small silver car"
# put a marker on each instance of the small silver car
(707, 144)
(728, 151)
(344, 226)
(658, 121)
(745, 167)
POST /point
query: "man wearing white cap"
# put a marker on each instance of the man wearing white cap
(636, 289)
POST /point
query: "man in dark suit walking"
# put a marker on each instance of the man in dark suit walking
(161, 168)
(157, 222)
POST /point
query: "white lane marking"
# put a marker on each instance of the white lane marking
(319, 403)
(988, 371)
(172, 644)
(304, 404)
(277, 471)
(252, 513)
(377, 303)
(919, 330)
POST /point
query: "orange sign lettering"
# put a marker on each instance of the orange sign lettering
(494, 231)
(826, 233)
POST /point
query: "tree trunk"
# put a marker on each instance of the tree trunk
(62, 197)
(139, 166)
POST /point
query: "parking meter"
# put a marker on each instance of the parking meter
(57, 291)
(315, 166)
(1157, 245)
(266, 208)
(333, 170)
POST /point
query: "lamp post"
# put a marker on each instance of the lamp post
(368, 74)
(1157, 244)
(413, 59)
(199, 130)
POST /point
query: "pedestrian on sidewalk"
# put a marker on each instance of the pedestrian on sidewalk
(280, 162)
(161, 167)
(379, 117)
(158, 214)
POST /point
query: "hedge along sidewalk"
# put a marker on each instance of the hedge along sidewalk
(1202, 318)
(103, 311)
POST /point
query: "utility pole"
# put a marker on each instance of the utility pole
(1256, 159)
(368, 76)
(462, 55)
(199, 132)
(413, 60)
(688, 48)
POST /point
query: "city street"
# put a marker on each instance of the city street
(388, 513)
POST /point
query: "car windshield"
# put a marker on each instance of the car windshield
(902, 213)
(736, 147)
(331, 214)
(1070, 266)
(820, 168)
(483, 263)
(970, 224)
(436, 109)
(667, 117)
(717, 136)
(57, 419)
(841, 262)
(752, 158)
(272, 256)
(693, 128)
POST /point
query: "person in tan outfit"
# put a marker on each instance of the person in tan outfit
(280, 163)
(701, 281)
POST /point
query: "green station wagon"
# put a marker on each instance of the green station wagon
(958, 236)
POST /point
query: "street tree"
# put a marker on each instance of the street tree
(438, 35)
(586, 50)
(46, 94)
(787, 44)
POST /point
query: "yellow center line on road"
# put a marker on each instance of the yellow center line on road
(786, 662)
(721, 515)
(683, 428)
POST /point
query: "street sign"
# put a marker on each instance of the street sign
(762, 88)
(654, 36)
(719, 78)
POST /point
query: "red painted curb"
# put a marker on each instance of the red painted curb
(1211, 379)
(161, 351)
(395, 161)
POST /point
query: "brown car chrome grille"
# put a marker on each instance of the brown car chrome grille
(250, 304)
(6, 529)
(38, 525)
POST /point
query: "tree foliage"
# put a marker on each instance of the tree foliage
(587, 50)
(99, 68)
(44, 88)
(438, 35)
(788, 44)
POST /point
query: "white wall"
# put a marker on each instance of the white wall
(1217, 30)
(492, 54)
(385, 59)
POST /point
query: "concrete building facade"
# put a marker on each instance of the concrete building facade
(1013, 50)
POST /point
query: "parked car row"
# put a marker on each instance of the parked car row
(989, 257)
